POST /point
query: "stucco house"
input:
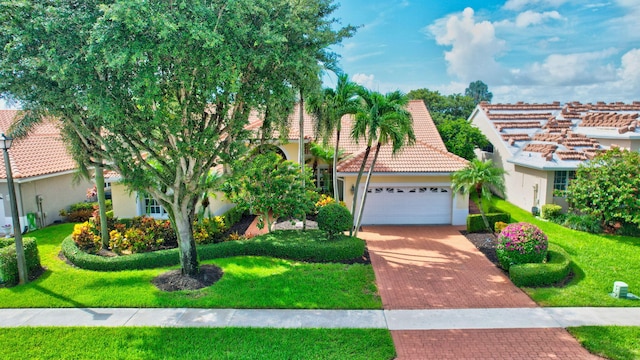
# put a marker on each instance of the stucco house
(541, 145)
(412, 187)
(43, 173)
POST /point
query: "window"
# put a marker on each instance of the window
(323, 178)
(152, 208)
(562, 178)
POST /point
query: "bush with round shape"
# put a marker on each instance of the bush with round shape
(334, 219)
(521, 243)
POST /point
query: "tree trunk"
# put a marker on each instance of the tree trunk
(301, 153)
(102, 207)
(484, 217)
(188, 254)
(336, 194)
(366, 186)
(357, 185)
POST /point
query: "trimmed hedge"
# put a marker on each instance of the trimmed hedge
(556, 269)
(8, 260)
(551, 211)
(476, 224)
(281, 244)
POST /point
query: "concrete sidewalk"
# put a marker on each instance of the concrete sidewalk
(449, 319)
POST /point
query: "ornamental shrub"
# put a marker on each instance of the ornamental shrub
(476, 224)
(334, 219)
(209, 230)
(583, 222)
(9, 263)
(84, 235)
(551, 211)
(521, 243)
(499, 226)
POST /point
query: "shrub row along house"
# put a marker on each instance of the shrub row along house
(43, 172)
(541, 145)
(411, 187)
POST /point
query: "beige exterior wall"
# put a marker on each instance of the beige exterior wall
(527, 188)
(633, 145)
(125, 205)
(291, 151)
(460, 204)
(124, 202)
(56, 192)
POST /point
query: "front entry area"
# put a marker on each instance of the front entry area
(407, 205)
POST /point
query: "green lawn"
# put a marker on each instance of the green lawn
(194, 343)
(613, 342)
(248, 282)
(599, 261)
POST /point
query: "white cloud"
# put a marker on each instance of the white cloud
(364, 80)
(474, 46)
(518, 5)
(629, 72)
(572, 69)
(529, 17)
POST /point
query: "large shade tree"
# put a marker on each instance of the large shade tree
(385, 120)
(478, 91)
(161, 90)
(483, 177)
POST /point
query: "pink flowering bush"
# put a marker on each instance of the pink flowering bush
(521, 243)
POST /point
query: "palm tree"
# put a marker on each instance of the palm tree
(385, 119)
(320, 152)
(328, 108)
(483, 177)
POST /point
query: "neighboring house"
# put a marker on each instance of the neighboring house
(412, 187)
(43, 173)
(542, 145)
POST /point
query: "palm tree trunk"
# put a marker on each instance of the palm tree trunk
(357, 185)
(335, 166)
(484, 216)
(366, 186)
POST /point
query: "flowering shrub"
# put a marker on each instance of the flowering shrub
(209, 230)
(84, 235)
(324, 200)
(521, 243)
(118, 243)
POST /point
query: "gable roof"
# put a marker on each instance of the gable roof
(428, 155)
(548, 136)
(42, 152)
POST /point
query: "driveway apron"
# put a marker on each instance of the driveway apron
(436, 267)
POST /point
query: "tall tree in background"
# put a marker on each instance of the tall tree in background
(450, 113)
(478, 91)
(329, 107)
(481, 177)
(169, 85)
(385, 119)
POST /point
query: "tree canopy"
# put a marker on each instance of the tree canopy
(450, 113)
(162, 90)
(478, 91)
(608, 187)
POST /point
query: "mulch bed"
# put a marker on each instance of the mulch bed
(486, 243)
(241, 226)
(174, 280)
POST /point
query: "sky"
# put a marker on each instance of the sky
(524, 50)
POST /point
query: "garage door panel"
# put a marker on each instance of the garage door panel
(408, 205)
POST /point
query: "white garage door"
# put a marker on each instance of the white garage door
(407, 205)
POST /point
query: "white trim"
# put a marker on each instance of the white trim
(432, 174)
(39, 177)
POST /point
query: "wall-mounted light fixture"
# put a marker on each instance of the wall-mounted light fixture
(353, 189)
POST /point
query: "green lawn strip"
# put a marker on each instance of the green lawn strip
(599, 260)
(613, 342)
(194, 343)
(248, 282)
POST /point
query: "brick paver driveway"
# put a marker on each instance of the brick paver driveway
(435, 267)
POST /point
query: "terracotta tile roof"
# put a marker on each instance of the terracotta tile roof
(540, 148)
(520, 106)
(40, 153)
(419, 158)
(561, 133)
(608, 120)
(501, 125)
(423, 125)
(519, 116)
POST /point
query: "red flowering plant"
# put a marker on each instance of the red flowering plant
(521, 243)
